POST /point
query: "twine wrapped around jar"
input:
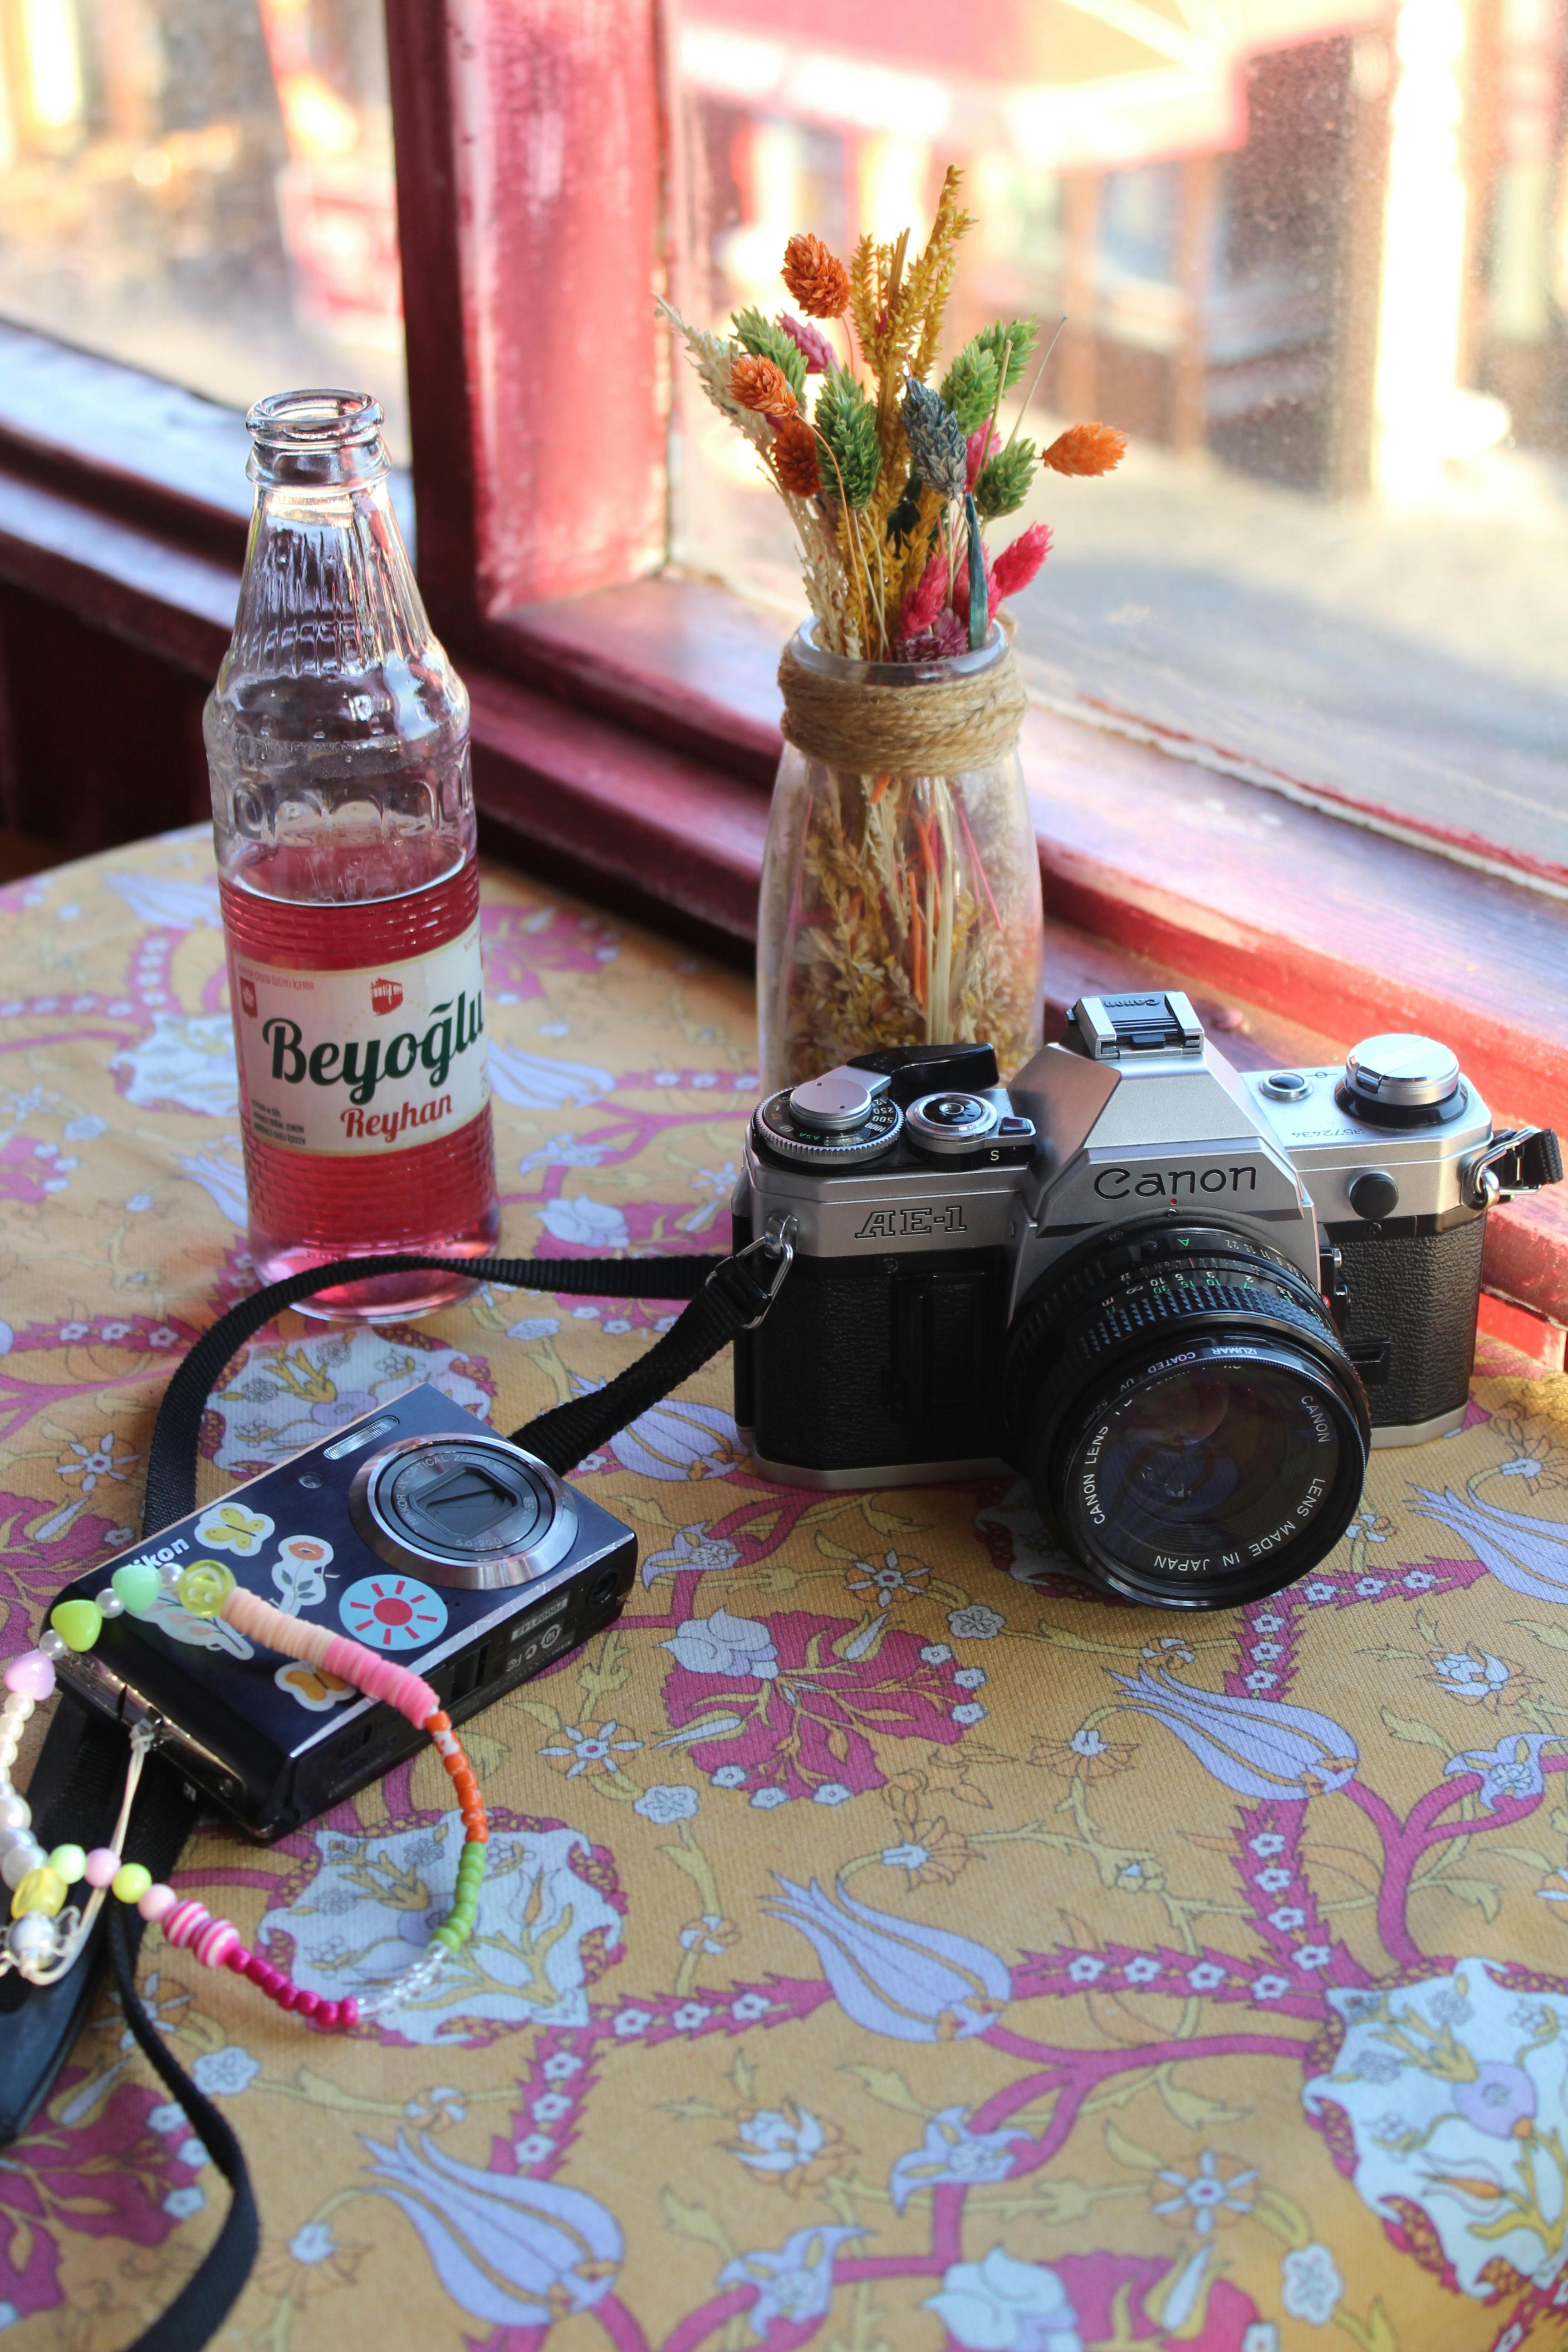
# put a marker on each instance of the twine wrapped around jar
(901, 900)
(934, 726)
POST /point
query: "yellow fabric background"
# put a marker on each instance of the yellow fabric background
(793, 2169)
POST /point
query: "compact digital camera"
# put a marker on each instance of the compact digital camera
(417, 1530)
(1181, 1300)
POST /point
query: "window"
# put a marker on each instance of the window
(203, 189)
(1311, 254)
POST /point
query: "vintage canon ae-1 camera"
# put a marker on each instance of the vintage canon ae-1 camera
(1181, 1300)
(417, 1530)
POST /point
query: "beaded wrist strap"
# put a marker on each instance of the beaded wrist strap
(45, 1934)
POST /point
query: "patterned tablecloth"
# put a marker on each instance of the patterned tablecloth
(886, 1946)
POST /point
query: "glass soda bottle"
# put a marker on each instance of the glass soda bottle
(337, 740)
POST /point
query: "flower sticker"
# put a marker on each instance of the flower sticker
(229, 1527)
(393, 1612)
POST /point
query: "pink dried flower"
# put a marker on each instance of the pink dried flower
(808, 339)
(946, 636)
(1016, 565)
(924, 601)
(982, 442)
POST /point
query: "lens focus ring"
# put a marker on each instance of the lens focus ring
(1186, 1415)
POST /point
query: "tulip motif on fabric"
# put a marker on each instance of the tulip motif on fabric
(1259, 1747)
(509, 2251)
(897, 1976)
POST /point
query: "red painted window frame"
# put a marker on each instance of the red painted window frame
(626, 724)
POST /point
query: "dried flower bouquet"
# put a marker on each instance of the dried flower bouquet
(912, 909)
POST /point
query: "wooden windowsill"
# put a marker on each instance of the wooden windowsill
(633, 765)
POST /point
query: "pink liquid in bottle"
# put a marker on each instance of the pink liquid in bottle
(337, 738)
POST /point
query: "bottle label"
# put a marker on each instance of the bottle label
(369, 1061)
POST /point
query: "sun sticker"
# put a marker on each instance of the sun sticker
(393, 1612)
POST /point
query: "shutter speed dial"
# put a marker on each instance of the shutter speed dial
(845, 1114)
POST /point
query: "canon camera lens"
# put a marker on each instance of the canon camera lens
(1180, 1403)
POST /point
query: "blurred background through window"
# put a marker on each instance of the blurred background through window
(1311, 255)
(203, 189)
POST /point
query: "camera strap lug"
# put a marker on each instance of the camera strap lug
(778, 1244)
(1332, 1282)
(1519, 1159)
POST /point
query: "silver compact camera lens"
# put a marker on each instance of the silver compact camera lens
(474, 1512)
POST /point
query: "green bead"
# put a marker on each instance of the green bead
(78, 1624)
(448, 1937)
(130, 1882)
(42, 1890)
(473, 1870)
(138, 1584)
(70, 1862)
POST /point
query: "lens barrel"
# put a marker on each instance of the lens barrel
(1182, 1407)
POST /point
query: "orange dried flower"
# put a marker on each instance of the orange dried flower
(795, 458)
(817, 279)
(762, 385)
(1085, 450)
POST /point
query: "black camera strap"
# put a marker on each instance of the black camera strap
(81, 1763)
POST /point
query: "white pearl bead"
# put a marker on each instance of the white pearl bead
(169, 1575)
(108, 1603)
(53, 1644)
(25, 1856)
(36, 1938)
(9, 1749)
(18, 1704)
(15, 1813)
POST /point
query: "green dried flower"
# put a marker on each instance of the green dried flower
(846, 421)
(1005, 480)
(970, 388)
(764, 340)
(1019, 335)
(938, 443)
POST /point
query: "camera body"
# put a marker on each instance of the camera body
(977, 1267)
(417, 1530)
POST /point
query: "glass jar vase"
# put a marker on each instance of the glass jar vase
(898, 908)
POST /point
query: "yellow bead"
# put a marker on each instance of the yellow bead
(130, 1882)
(203, 1587)
(42, 1890)
(78, 1624)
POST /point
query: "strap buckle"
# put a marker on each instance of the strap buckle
(778, 1244)
(1519, 1159)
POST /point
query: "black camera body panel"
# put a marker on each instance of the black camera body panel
(915, 1347)
(1409, 1325)
(266, 1740)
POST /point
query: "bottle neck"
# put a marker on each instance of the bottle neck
(328, 590)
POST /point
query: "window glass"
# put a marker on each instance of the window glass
(203, 189)
(1311, 255)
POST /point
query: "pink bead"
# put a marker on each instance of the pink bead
(185, 1922)
(101, 1864)
(238, 1958)
(307, 2003)
(214, 1942)
(32, 1674)
(348, 2013)
(157, 1902)
(327, 2016)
